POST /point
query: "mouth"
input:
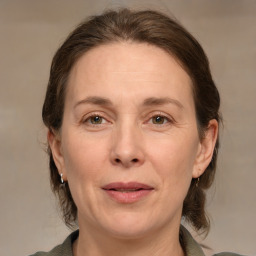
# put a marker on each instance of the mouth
(127, 192)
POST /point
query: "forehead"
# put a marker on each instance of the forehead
(123, 67)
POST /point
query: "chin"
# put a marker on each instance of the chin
(129, 226)
(129, 233)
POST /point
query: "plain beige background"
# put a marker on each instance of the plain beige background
(31, 31)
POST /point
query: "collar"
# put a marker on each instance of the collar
(192, 248)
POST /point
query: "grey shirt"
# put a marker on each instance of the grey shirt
(192, 248)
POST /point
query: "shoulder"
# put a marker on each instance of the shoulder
(64, 249)
(56, 251)
(227, 254)
(192, 248)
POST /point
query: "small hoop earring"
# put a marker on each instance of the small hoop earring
(61, 178)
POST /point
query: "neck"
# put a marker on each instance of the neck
(101, 244)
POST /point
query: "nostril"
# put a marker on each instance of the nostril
(135, 160)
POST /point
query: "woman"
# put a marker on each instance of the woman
(133, 116)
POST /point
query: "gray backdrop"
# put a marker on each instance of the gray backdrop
(31, 31)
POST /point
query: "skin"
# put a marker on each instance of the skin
(126, 137)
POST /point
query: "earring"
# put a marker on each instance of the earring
(197, 182)
(61, 178)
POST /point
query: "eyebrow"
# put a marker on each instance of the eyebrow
(95, 100)
(162, 101)
(152, 101)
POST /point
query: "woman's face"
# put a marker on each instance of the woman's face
(129, 143)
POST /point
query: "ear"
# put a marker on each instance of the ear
(55, 145)
(206, 149)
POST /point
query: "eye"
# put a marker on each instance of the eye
(159, 119)
(95, 120)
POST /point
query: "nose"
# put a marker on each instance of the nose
(127, 147)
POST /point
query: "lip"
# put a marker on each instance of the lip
(127, 193)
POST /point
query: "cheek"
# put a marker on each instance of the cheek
(174, 158)
(84, 163)
(83, 157)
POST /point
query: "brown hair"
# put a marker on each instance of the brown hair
(144, 27)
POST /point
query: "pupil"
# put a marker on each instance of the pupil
(158, 119)
(96, 119)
